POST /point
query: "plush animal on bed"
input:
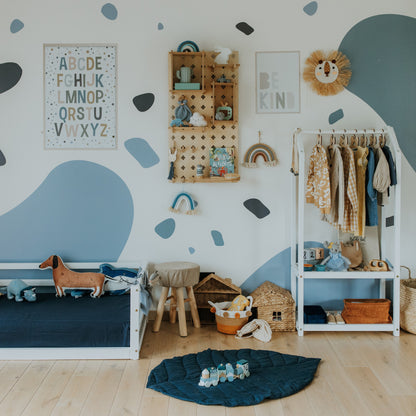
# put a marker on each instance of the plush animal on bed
(19, 290)
(68, 279)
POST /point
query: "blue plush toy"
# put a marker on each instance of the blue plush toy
(335, 261)
(177, 122)
(19, 290)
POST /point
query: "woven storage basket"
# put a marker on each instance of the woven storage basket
(229, 322)
(276, 306)
(366, 311)
(408, 303)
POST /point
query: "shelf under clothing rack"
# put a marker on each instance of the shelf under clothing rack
(298, 273)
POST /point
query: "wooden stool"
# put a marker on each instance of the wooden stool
(177, 276)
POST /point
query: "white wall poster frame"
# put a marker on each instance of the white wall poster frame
(277, 82)
(80, 96)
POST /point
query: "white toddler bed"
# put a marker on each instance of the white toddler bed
(136, 324)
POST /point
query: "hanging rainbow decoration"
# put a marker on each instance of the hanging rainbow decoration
(187, 200)
(259, 149)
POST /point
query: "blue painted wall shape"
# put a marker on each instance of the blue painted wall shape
(166, 228)
(10, 74)
(383, 60)
(16, 26)
(336, 116)
(109, 11)
(82, 211)
(327, 293)
(142, 152)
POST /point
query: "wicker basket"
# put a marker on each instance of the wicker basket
(408, 303)
(230, 325)
(366, 311)
(229, 322)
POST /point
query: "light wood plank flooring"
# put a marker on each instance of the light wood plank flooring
(360, 374)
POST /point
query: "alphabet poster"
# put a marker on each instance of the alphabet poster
(277, 82)
(80, 96)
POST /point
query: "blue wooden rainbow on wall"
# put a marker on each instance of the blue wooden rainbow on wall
(187, 200)
(259, 149)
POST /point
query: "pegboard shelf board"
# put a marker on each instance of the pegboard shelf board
(224, 84)
(187, 91)
(193, 143)
(233, 66)
(188, 129)
(187, 53)
(219, 179)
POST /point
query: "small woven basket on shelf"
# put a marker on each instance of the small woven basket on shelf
(408, 303)
(366, 311)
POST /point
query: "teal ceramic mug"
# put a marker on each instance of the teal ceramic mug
(184, 74)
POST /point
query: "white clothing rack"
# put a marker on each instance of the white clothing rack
(298, 274)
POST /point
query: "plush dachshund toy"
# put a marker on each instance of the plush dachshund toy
(68, 279)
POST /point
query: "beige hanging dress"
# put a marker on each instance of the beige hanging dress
(336, 177)
(381, 180)
(318, 191)
(360, 158)
(350, 185)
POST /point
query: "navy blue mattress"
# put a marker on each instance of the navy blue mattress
(65, 322)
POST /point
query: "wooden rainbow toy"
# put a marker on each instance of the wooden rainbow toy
(259, 149)
(189, 203)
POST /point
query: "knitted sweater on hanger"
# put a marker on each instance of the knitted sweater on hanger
(336, 176)
(360, 157)
(318, 190)
(351, 199)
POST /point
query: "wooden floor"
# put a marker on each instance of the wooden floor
(360, 374)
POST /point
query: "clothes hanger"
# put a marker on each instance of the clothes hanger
(353, 141)
(332, 141)
(382, 138)
(363, 140)
(319, 138)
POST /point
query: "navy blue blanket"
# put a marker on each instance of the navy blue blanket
(273, 376)
(65, 322)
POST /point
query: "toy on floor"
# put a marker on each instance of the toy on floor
(20, 291)
(376, 265)
(335, 261)
(68, 279)
(223, 373)
(239, 303)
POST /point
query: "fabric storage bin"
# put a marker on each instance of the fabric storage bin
(366, 311)
(314, 314)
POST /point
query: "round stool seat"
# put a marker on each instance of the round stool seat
(178, 273)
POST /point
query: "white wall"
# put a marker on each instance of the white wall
(142, 67)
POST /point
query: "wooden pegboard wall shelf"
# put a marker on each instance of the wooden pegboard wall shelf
(204, 101)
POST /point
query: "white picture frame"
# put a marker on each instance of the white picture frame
(277, 82)
(80, 96)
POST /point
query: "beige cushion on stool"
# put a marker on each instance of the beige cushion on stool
(176, 276)
(178, 273)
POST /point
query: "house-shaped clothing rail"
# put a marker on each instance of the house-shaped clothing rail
(389, 237)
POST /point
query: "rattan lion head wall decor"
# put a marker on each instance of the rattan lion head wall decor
(327, 73)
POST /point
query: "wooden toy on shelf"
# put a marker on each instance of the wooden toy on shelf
(376, 265)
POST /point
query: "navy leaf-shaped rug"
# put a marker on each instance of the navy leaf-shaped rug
(272, 376)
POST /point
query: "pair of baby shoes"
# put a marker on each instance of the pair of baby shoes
(335, 318)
